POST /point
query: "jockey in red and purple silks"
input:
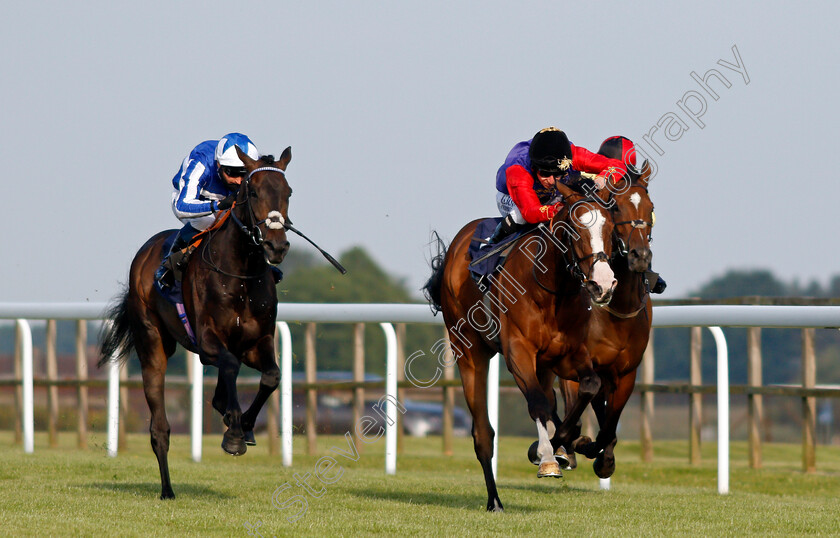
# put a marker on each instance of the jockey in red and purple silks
(525, 182)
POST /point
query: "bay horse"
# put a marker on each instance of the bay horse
(619, 332)
(535, 313)
(230, 300)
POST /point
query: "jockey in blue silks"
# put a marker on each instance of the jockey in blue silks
(206, 183)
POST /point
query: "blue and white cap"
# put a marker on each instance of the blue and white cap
(226, 154)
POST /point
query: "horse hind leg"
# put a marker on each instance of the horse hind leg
(154, 370)
(474, 381)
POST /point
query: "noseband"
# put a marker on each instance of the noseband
(274, 220)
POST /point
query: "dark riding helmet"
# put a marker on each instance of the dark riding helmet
(619, 148)
(550, 150)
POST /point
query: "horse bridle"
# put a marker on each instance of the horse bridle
(623, 250)
(638, 224)
(274, 220)
(573, 265)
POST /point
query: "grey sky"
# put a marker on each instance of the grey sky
(399, 114)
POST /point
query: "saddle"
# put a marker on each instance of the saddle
(177, 260)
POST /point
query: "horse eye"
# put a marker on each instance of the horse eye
(253, 194)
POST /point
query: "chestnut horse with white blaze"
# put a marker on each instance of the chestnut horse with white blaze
(536, 313)
(619, 332)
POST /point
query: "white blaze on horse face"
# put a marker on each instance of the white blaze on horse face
(635, 199)
(594, 221)
(602, 273)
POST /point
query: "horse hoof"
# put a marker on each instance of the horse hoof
(166, 495)
(235, 446)
(585, 447)
(549, 469)
(566, 462)
(495, 505)
(533, 457)
(250, 440)
(602, 468)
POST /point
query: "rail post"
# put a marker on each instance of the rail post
(400, 331)
(391, 397)
(113, 407)
(809, 403)
(358, 377)
(272, 412)
(27, 397)
(754, 401)
(196, 372)
(52, 388)
(311, 393)
(448, 397)
(82, 376)
(646, 397)
(723, 409)
(286, 416)
(695, 398)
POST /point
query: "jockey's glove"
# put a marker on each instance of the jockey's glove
(225, 203)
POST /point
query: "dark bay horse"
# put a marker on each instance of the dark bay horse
(618, 333)
(230, 300)
(536, 314)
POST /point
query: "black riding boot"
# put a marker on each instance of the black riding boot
(506, 227)
(171, 265)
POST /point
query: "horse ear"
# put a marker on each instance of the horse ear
(250, 163)
(644, 178)
(285, 157)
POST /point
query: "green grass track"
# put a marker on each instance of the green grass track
(68, 492)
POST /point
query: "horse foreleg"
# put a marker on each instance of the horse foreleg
(546, 454)
(569, 390)
(588, 386)
(269, 381)
(233, 440)
(604, 464)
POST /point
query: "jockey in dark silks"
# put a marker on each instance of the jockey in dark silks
(206, 183)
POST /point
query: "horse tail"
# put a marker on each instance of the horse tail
(116, 340)
(431, 290)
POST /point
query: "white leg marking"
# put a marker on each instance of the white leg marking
(544, 450)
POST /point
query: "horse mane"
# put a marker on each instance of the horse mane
(267, 159)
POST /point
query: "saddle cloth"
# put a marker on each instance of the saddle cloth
(490, 264)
